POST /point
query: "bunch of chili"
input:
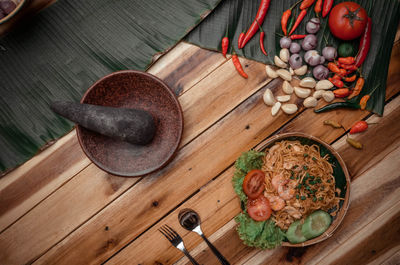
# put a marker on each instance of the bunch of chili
(225, 44)
(262, 11)
(298, 20)
(358, 87)
(341, 92)
(297, 37)
(327, 7)
(318, 7)
(238, 65)
(365, 43)
(262, 35)
(306, 4)
(285, 17)
(358, 127)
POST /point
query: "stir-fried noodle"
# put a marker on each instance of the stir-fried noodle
(300, 179)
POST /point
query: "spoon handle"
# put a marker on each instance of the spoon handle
(216, 252)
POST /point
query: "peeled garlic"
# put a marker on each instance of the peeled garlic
(291, 71)
(301, 71)
(302, 92)
(285, 98)
(318, 94)
(284, 55)
(275, 108)
(310, 102)
(279, 62)
(287, 87)
(284, 74)
(289, 108)
(323, 84)
(271, 72)
(328, 96)
(268, 97)
(308, 82)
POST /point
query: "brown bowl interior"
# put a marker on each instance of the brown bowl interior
(134, 89)
(344, 206)
(17, 8)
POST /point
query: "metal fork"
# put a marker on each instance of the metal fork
(176, 241)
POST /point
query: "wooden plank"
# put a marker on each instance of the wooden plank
(44, 174)
(217, 204)
(69, 220)
(201, 160)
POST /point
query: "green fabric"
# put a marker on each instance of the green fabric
(238, 15)
(61, 52)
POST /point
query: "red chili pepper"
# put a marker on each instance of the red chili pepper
(363, 101)
(306, 4)
(341, 92)
(357, 88)
(238, 65)
(336, 82)
(318, 6)
(297, 37)
(225, 44)
(262, 35)
(337, 77)
(350, 78)
(342, 72)
(284, 20)
(298, 20)
(351, 67)
(346, 60)
(365, 43)
(333, 67)
(358, 127)
(327, 7)
(240, 39)
(262, 11)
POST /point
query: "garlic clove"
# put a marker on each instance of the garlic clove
(323, 85)
(308, 82)
(287, 87)
(284, 55)
(271, 72)
(284, 74)
(310, 102)
(291, 71)
(268, 97)
(328, 96)
(318, 94)
(301, 70)
(302, 92)
(278, 62)
(284, 98)
(275, 108)
(289, 108)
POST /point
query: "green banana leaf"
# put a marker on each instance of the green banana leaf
(67, 47)
(236, 16)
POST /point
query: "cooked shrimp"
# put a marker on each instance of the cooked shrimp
(287, 191)
(278, 180)
(276, 203)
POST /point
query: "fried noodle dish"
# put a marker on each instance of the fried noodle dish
(298, 181)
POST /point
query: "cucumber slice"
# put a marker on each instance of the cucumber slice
(315, 224)
(294, 234)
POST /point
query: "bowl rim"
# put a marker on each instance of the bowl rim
(343, 210)
(175, 147)
(17, 8)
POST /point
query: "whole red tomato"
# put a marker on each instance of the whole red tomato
(347, 20)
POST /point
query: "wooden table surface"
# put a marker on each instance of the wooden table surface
(59, 208)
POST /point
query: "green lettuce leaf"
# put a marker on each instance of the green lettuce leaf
(259, 234)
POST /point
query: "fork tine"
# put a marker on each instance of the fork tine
(165, 233)
(175, 234)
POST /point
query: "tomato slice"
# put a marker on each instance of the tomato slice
(259, 209)
(253, 183)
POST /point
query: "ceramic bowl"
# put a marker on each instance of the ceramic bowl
(18, 6)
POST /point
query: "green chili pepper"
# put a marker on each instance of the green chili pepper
(305, 155)
(314, 159)
(320, 198)
(314, 199)
(303, 198)
(291, 22)
(305, 167)
(338, 105)
(297, 196)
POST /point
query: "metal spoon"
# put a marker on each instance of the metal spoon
(190, 220)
